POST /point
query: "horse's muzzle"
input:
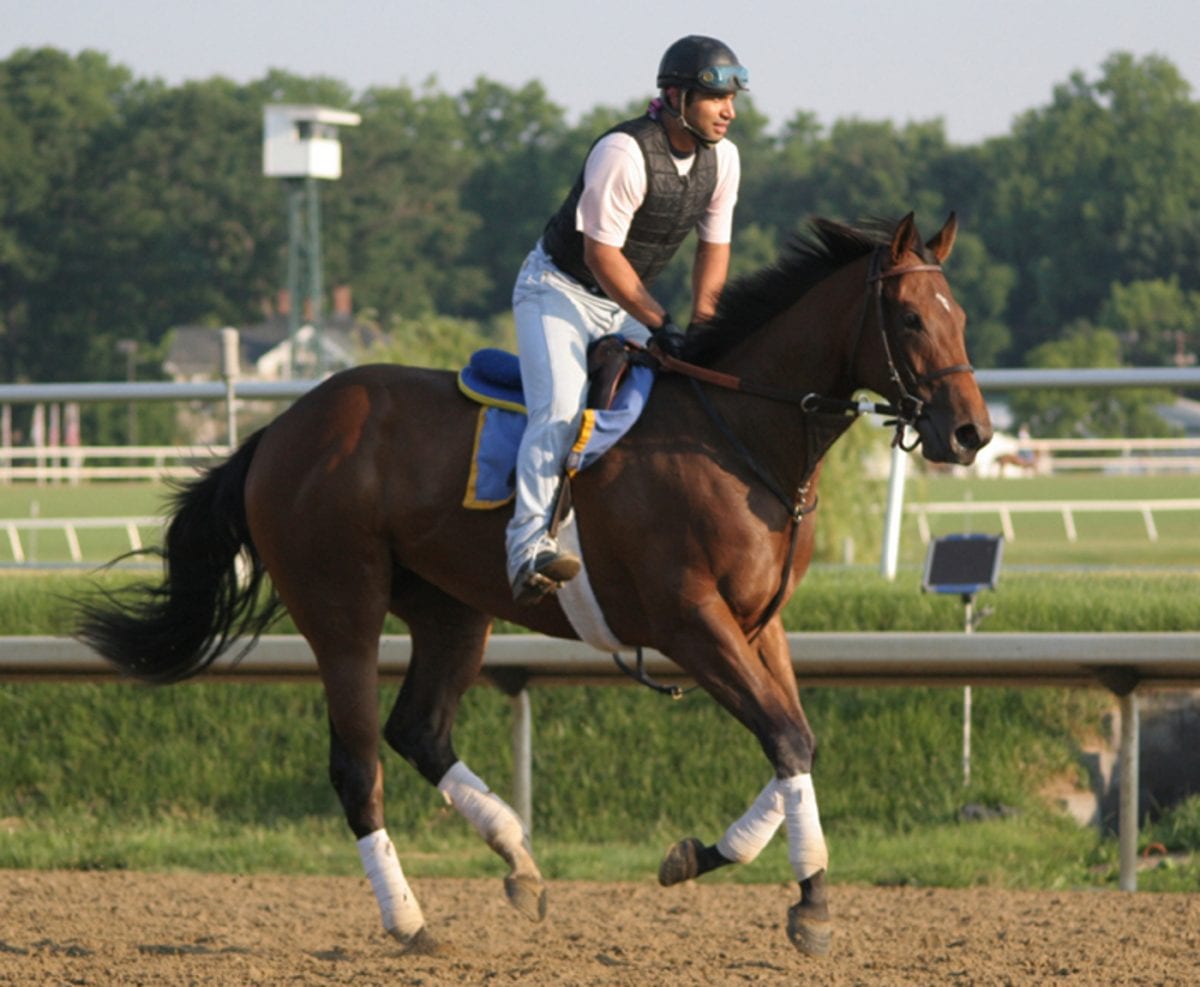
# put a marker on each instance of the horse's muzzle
(947, 442)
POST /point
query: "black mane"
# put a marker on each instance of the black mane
(809, 256)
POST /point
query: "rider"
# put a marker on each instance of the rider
(645, 185)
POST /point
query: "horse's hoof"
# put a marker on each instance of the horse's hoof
(527, 895)
(422, 943)
(680, 862)
(809, 934)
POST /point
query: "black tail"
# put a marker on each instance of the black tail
(177, 628)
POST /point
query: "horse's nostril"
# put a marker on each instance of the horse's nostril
(968, 438)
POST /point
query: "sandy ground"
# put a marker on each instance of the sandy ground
(132, 928)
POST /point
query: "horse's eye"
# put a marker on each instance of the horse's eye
(912, 320)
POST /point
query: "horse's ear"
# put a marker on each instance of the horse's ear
(943, 240)
(905, 239)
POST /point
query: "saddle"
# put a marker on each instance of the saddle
(608, 362)
(493, 376)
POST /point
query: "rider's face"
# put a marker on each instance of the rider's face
(710, 113)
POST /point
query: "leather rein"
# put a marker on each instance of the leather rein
(905, 412)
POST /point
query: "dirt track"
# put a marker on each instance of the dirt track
(125, 928)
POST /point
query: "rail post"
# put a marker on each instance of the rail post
(890, 554)
(513, 683)
(230, 370)
(1127, 818)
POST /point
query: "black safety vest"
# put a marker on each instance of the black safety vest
(673, 206)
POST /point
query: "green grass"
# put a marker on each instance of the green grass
(22, 500)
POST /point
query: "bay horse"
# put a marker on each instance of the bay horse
(693, 528)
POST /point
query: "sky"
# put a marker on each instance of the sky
(974, 65)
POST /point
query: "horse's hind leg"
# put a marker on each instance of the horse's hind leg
(338, 595)
(448, 640)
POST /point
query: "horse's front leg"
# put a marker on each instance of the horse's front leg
(770, 706)
(793, 800)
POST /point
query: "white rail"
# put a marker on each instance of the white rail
(1147, 455)
(55, 464)
(1066, 509)
(70, 528)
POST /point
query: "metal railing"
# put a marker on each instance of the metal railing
(1121, 663)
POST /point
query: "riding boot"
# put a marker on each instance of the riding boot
(551, 566)
(544, 574)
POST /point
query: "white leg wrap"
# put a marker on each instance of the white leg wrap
(491, 816)
(745, 839)
(806, 843)
(398, 906)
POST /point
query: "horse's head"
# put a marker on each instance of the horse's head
(913, 350)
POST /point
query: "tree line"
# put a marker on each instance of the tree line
(129, 207)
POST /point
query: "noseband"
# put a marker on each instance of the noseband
(909, 407)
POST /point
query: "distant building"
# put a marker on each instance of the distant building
(264, 353)
(265, 348)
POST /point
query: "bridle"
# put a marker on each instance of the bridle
(909, 408)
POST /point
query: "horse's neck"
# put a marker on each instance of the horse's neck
(808, 347)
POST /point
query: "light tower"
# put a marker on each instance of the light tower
(300, 145)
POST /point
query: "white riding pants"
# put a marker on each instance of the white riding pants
(556, 318)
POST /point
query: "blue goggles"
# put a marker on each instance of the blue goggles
(724, 78)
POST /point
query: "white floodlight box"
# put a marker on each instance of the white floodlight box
(301, 141)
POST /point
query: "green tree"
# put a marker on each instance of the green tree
(1100, 187)
(400, 203)
(523, 165)
(181, 226)
(441, 341)
(53, 107)
(1157, 321)
(982, 287)
(868, 169)
(1082, 412)
(853, 487)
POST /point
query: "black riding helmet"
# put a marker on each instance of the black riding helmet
(697, 62)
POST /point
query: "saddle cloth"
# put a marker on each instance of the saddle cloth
(492, 379)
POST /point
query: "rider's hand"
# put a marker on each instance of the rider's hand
(667, 338)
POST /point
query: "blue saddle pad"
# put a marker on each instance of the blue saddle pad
(492, 378)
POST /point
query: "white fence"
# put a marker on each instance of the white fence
(70, 528)
(73, 464)
(1066, 509)
(77, 463)
(1116, 455)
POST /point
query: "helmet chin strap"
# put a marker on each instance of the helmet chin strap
(681, 113)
